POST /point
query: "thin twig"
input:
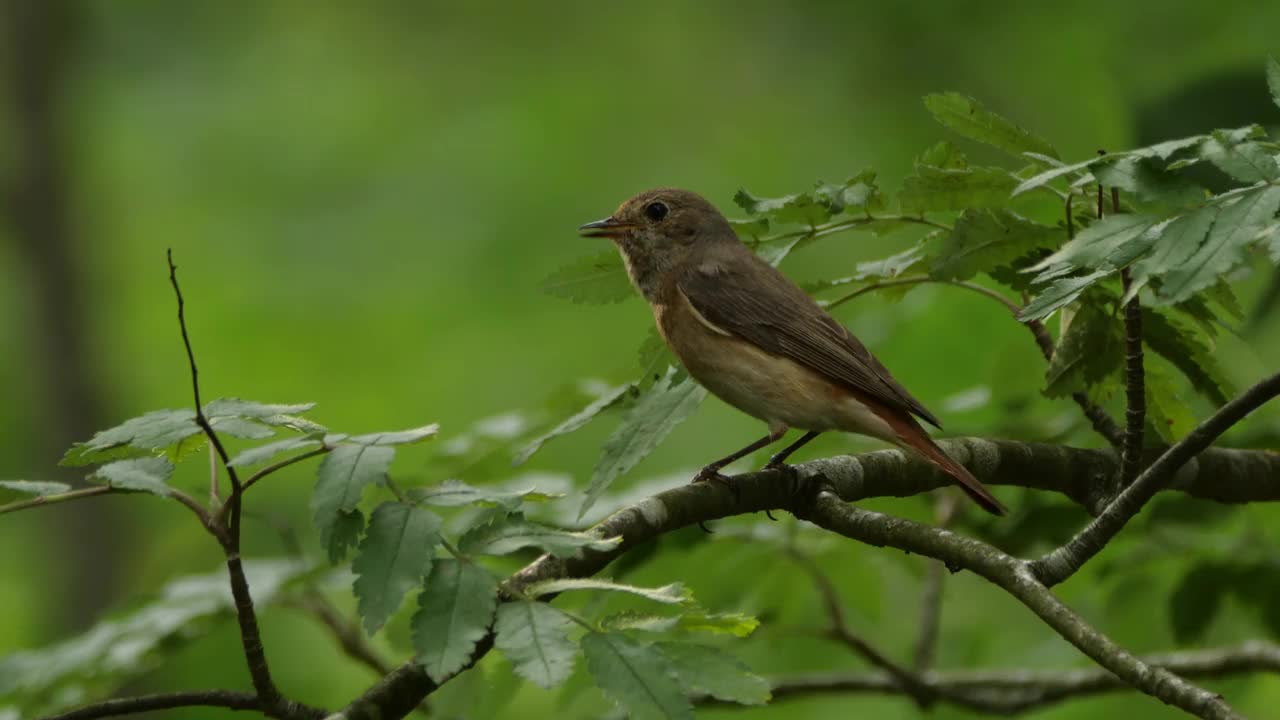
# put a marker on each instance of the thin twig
(1066, 560)
(838, 629)
(1135, 412)
(931, 595)
(283, 464)
(250, 635)
(918, 279)
(228, 699)
(55, 498)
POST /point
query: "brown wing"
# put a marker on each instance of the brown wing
(752, 300)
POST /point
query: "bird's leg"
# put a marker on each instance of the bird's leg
(780, 458)
(712, 470)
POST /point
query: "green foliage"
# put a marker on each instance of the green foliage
(144, 474)
(455, 493)
(638, 675)
(454, 612)
(1089, 351)
(343, 476)
(144, 435)
(395, 556)
(11, 490)
(606, 400)
(598, 279)
(663, 406)
(673, 594)
(703, 669)
(511, 533)
(969, 118)
(535, 638)
(984, 239)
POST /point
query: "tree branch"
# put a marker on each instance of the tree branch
(228, 699)
(1013, 691)
(1224, 475)
(1066, 560)
(1135, 392)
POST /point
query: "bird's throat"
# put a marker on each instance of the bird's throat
(646, 269)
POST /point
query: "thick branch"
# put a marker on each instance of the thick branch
(1066, 560)
(228, 699)
(1009, 692)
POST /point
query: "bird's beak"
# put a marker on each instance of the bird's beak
(607, 227)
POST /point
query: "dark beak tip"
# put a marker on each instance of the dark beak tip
(598, 228)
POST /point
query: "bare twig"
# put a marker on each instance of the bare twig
(348, 634)
(254, 478)
(228, 699)
(838, 629)
(1135, 413)
(931, 596)
(1066, 560)
(250, 635)
(918, 279)
(55, 498)
(1014, 691)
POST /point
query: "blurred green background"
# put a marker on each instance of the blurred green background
(364, 198)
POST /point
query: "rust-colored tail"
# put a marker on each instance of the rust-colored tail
(911, 435)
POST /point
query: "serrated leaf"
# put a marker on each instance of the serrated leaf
(252, 456)
(1172, 246)
(801, 208)
(142, 435)
(1273, 80)
(657, 412)
(399, 437)
(1236, 227)
(702, 669)
(969, 118)
(395, 557)
(1168, 413)
(641, 621)
(1109, 244)
(30, 488)
(1188, 351)
(985, 239)
(1143, 178)
(240, 427)
(511, 534)
(654, 357)
(454, 612)
(535, 638)
(455, 493)
(735, 624)
(1196, 600)
(934, 189)
(1048, 176)
(596, 279)
(1060, 292)
(673, 594)
(574, 422)
(943, 155)
(1088, 351)
(890, 267)
(235, 407)
(638, 676)
(341, 479)
(1247, 162)
(755, 227)
(148, 474)
(861, 194)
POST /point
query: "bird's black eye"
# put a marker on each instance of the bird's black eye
(655, 211)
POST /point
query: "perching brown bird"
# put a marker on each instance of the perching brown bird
(756, 340)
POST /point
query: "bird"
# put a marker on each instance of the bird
(753, 338)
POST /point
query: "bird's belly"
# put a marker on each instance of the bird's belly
(779, 390)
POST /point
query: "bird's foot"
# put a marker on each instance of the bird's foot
(711, 473)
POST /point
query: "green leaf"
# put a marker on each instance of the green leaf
(943, 155)
(1109, 244)
(129, 645)
(1088, 351)
(144, 474)
(735, 624)
(511, 534)
(1173, 245)
(454, 612)
(1247, 162)
(10, 489)
(240, 427)
(777, 251)
(985, 239)
(535, 638)
(142, 435)
(1062, 291)
(800, 209)
(969, 118)
(253, 456)
(756, 227)
(889, 267)
(1187, 350)
(235, 407)
(395, 557)
(708, 670)
(597, 279)
(654, 416)
(673, 594)
(654, 357)
(1196, 600)
(945, 189)
(861, 194)
(341, 479)
(1237, 227)
(1144, 178)
(401, 437)
(455, 493)
(606, 400)
(1168, 413)
(1048, 176)
(638, 676)
(1273, 79)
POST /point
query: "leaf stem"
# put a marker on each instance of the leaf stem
(55, 498)
(254, 478)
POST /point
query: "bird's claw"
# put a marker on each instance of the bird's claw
(711, 473)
